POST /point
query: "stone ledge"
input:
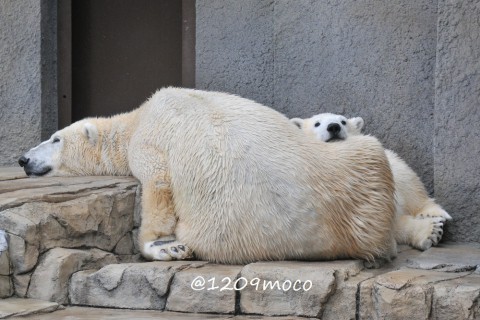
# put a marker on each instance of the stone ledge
(71, 241)
(15, 307)
(338, 290)
(80, 313)
(93, 217)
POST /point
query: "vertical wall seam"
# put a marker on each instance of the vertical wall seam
(274, 45)
(435, 99)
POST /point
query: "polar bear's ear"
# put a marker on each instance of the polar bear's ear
(91, 133)
(357, 123)
(298, 122)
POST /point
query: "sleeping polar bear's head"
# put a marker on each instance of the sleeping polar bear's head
(330, 127)
(71, 151)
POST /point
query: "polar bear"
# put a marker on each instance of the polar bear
(221, 181)
(419, 220)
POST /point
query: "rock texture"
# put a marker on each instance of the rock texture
(15, 307)
(71, 241)
(41, 214)
(210, 289)
(449, 257)
(79, 313)
(458, 299)
(130, 286)
(6, 285)
(292, 288)
(338, 290)
(406, 294)
(413, 294)
(43, 217)
(50, 279)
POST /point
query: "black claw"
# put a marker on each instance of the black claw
(163, 251)
(181, 247)
(174, 249)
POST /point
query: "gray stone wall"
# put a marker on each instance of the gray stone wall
(409, 68)
(28, 110)
(457, 117)
(235, 48)
(377, 59)
(373, 59)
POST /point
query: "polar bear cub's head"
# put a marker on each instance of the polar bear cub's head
(330, 127)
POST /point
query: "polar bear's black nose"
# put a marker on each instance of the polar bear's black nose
(333, 128)
(23, 161)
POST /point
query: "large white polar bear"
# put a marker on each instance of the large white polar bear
(232, 180)
(420, 220)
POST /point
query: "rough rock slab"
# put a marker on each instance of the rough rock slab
(23, 254)
(23, 307)
(208, 289)
(56, 189)
(342, 304)
(50, 279)
(457, 299)
(292, 288)
(21, 283)
(6, 287)
(129, 285)
(11, 173)
(409, 293)
(40, 214)
(84, 313)
(448, 257)
(5, 268)
(125, 245)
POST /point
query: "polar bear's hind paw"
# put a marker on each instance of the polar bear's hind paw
(168, 250)
(434, 235)
(437, 231)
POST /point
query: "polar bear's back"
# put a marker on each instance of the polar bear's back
(245, 180)
(232, 158)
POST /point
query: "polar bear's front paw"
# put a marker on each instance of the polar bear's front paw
(167, 250)
(429, 232)
(434, 211)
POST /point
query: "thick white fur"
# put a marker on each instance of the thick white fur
(419, 220)
(235, 181)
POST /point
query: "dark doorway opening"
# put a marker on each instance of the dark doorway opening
(113, 54)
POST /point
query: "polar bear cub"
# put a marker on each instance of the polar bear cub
(419, 220)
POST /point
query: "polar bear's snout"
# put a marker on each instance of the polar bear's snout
(23, 161)
(334, 128)
(38, 160)
(33, 168)
(335, 132)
